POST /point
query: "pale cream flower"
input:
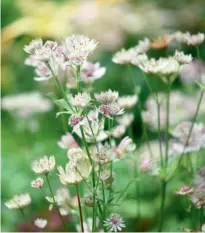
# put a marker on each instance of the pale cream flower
(138, 59)
(123, 56)
(40, 222)
(196, 139)
(93, 115)
(195, 39)
(112, 109)
(75, 171)
(182, 58)
(142, 46)
(181, 37)
(161, 67)
(114, 223)
(103, 154)
(178, 113)
(67, 141)
(126, 119)
(18, 201)
(127, 102)
(118, 131)
(107, 97)
(81, 100)
(37, 183)
(92, 71)
(25, 105)
(44, 165)
(126, 145)
(76, 49)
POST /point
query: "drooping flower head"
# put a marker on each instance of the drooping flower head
(19, 201)
(114, 223)
(44, 165)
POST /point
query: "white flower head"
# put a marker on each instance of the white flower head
(67, 141)
(181, 37)
(142, 46)
(118, 131)
(91, 71)
(199, 179)
(44, 165)
(196, 139)
(127, 102)
(122, 57)
(125, 145)
(76, 120)
(107, 97)
(75, 171)
(110, 110)
(76, 49)
(138, 59)
(18, 201)
(196, 39)
(114, 223)
(38, 50)
(37, 183)
(93, 115)
(40, 222)
(162, 66)
(185, 190)
(81, 100)
(182, 58)
(126, 119)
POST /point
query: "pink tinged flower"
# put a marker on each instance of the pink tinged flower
(185, 190)
(114, 223)
(146, 164)
(118, 131)
(107, 97)
(67, 141)
(93, 115)
(111, 109)
(92, 71)
(75, 120)
(32, 61)
(125, 145)
(37, 183)
(51, 44)
(43, 72)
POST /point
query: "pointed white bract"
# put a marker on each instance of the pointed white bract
(37, 183)
(182, 58)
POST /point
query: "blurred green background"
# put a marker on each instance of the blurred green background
(115, 24)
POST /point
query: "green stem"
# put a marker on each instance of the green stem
(201, 218)
(159, 129)
(54, 201)
(163, 192)
(80, 209)
(22, 213)
(78, 78)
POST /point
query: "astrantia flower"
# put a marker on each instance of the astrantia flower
(19, 201)
(122, 57)
(137, 59)
(80, 100)
(93, 115)
(114, 223)
(107, 97)
(88, 201)
(181, 37)
(142, 46)
(44, 165)
(75, 171)
(75, 153)
(182, 58)
(196, 39)
(76, 49)
(75, 120)
(118, 131)
(92, 71)
(185, 190)
(126, 119)
(37, 183)
(102, 154)
(198, 197)
(128, 101)
(162, 66)
(40, 222)
(67, 141)
(196, 139)
(110, 110)
(39, 51)
(125, 145)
